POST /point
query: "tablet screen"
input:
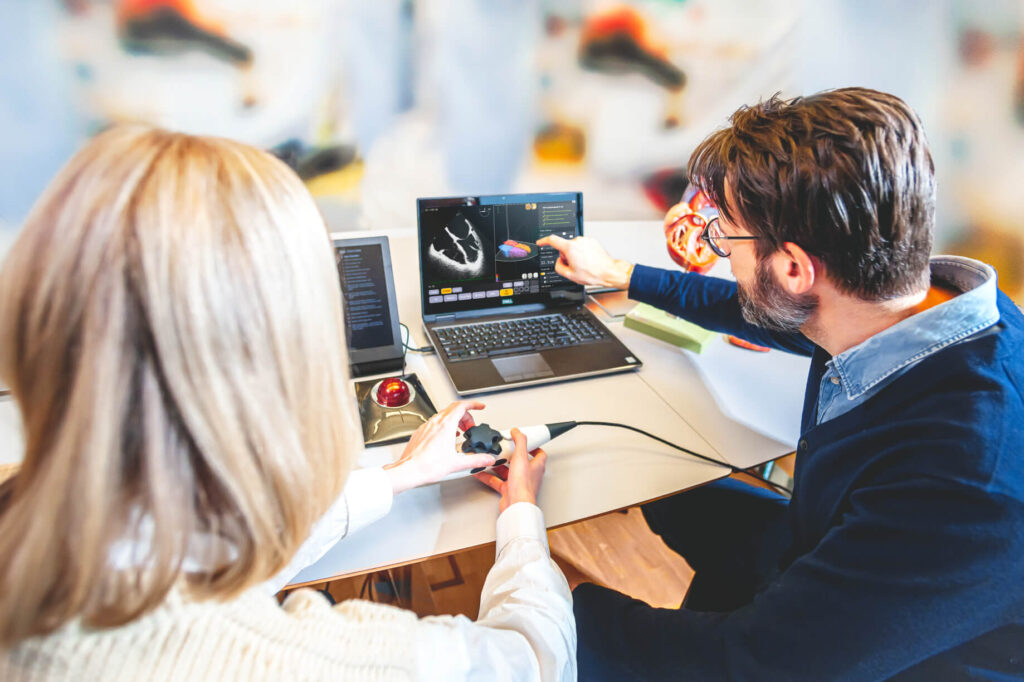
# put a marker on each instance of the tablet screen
(367, 313)
(368, 293)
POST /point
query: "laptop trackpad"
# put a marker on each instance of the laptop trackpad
(523, 368)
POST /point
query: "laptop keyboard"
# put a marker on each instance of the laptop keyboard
(509, 337)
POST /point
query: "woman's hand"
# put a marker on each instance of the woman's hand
(432, 452)
(524, 475)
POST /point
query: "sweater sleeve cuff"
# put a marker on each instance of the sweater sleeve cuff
(369, 497)
(521, 520)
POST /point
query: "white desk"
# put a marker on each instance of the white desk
(728, 403)
(698, 401)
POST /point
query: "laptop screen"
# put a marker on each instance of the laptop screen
(481, 252)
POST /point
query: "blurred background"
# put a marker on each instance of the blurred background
(377, 102)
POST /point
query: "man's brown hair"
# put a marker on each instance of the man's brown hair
(845, 174)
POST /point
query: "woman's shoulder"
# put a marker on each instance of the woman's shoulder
(248, 637)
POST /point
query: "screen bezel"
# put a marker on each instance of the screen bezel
(374, 353)
(574, 295)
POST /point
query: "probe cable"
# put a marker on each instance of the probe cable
(734, 469)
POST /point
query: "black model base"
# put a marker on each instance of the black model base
(366, 369)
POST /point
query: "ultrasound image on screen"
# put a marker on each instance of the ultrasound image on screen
(458, 242)
(482, 252)
(364, 289)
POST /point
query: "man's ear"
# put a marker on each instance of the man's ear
(794, 268)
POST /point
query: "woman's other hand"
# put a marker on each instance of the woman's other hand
(524, 475)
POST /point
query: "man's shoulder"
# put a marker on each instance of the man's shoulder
(1010, 313)
(961, 410)
(988, 361)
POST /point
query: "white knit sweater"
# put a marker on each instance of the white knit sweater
(525, 631)
(250, 638)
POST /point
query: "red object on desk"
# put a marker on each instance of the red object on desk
(393, 393)
(742, 343)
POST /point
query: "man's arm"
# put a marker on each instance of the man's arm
(710, 302)
(707, 301)
(915, 568)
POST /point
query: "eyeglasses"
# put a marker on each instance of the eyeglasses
(718, 240)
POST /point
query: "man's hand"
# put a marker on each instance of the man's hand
(584, 261)
(432, 452)
(524, 475)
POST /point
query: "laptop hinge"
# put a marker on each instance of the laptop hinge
(444, 318)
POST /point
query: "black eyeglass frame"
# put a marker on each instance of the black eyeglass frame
(705, 235)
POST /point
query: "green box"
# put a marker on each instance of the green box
(669, 328)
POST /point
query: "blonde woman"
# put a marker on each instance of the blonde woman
(170, 327)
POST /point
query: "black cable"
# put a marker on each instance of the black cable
(407, 347)
(365, 592)
(733, 469)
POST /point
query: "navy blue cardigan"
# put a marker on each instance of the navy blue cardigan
(907, 518)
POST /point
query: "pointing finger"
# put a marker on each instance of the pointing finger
(554, 241)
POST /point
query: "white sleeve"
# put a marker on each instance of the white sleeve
(366, 497)
(525, 629)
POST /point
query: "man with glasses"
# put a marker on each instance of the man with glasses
(718, 240)
(901, 552)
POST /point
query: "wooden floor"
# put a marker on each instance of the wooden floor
(617, 550)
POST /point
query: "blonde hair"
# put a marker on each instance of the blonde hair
(170, 327)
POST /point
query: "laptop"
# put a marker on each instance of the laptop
(493, 307)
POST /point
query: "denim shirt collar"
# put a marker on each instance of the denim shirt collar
(880, 357)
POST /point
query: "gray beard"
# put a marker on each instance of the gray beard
(770, 306)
